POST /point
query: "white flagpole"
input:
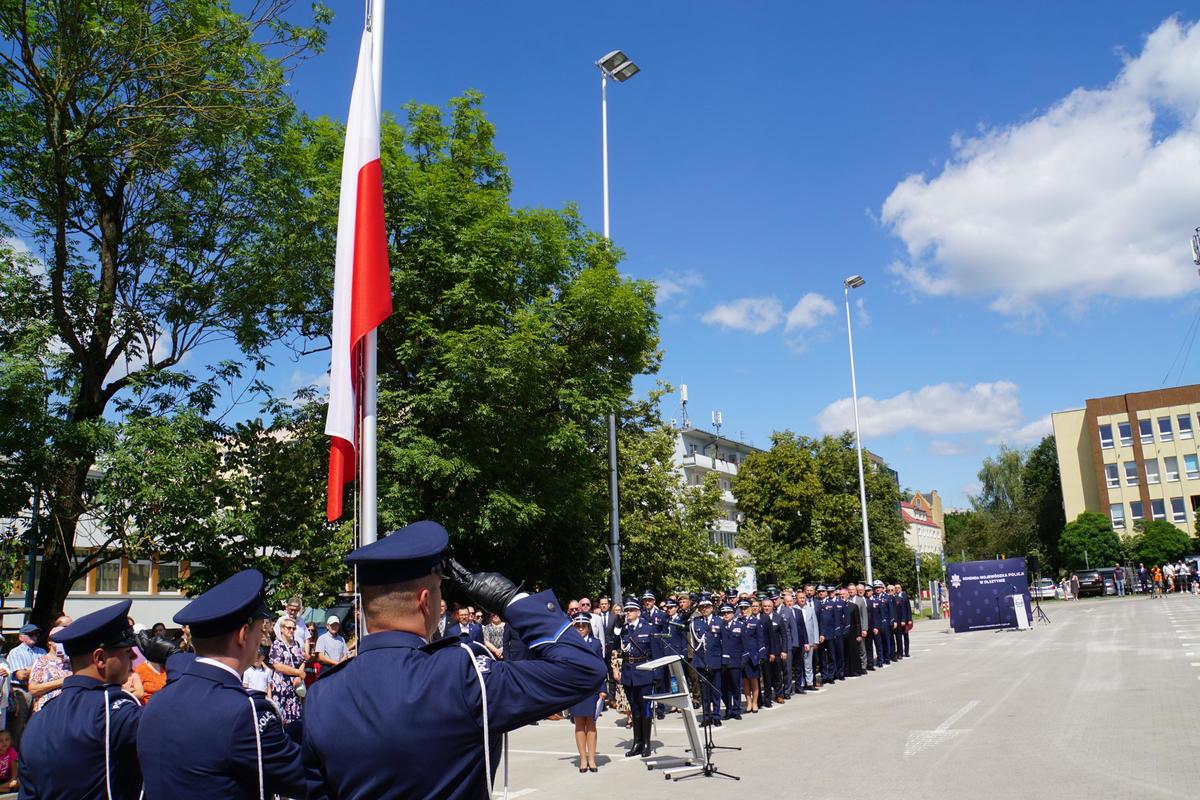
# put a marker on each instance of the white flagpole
(369, 506)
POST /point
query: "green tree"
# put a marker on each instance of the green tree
(513, 334)
(1089, 540)
(1161, 542)
(802, 504)
(1041, 489)
(1003, 504)
(148, 148)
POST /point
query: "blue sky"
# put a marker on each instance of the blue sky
(1017, 182)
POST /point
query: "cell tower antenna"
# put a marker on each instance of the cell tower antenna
(717, 421)
(683, 401)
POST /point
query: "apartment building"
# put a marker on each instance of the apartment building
(1133, 457)
(924, 523)
(699, 452)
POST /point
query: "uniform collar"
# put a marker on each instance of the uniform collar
(376, 641)
(214, 671)
(82, 682)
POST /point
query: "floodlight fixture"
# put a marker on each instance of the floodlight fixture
(854, 281)
(618, 66)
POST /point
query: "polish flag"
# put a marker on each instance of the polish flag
(362, 289)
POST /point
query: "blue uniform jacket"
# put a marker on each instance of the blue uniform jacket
(903, 609)
(706, 642)
(197, 740)
(405, 719)
(656, 619)
(637, 647)
(841, 618)
(826, 618)
(733, 651)
(885, 614)
(62, 749)
(752, 639)
(677, 628)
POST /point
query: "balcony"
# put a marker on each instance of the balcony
(708, 462)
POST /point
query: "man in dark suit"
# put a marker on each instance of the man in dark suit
(445, 623)
(465, 628)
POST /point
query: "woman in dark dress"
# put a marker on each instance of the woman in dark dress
(587, 710)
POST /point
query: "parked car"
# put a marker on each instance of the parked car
(1091, 582)
(1044, 588)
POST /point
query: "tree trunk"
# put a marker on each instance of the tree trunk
(58, 542)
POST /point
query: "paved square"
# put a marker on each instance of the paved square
(1103, 703)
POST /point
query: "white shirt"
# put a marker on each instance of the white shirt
(258, 678)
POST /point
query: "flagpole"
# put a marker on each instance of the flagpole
(369, 506)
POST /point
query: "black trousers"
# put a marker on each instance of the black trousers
(853, 666)
(797, 662)
(825, 655)
(638, 705)
(710, 692)
(904, 637)
(898, 640)
(731, 690)
(766, 682)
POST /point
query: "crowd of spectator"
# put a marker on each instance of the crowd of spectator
(291, 656)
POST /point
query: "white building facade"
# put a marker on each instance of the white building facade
(699, 452)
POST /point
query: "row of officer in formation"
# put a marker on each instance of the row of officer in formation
(407, 717)
(752, 651)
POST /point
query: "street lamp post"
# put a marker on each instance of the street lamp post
(854, 282)
(619, 67)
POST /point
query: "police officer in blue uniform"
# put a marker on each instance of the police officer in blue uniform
(654, 616)
(706, 659)
(205, 736)
(826, 626)
(733, 656)
(83, 744)
(675, 631)
(408, 717)
(637, 638)
(752, 640)
(841, 621)
(905, 620)
(884, 606)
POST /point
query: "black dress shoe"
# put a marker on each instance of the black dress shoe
(592, 769)
(736, 716)
(716, 723)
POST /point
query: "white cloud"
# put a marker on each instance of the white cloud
(672, 284)
(808, 312)
(1093, 197)
(943, 448)
(754, 314)
(864, 318)
(1030, 433)
(942, 409)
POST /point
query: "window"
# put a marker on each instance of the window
(167, 572)
(1131, 473)
(1146, 431)
(139, 577)
(1164, 429)
(1117, 512)
(108, 576)
(1184, 423)
(1171, 463)
(1151, 471)
(1135, 510)
(1111, 476)
(1177, 512)
(1126, 432)
(1157, 509)
(1106, 440)
(1191, 465)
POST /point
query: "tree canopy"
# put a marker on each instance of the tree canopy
(803, 516)
(1159, 543)
(1089, 540)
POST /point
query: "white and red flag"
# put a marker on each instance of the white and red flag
(362, 290)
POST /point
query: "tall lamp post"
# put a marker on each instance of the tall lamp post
(854, 282)
(620, 68)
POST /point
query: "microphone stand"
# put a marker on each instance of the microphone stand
(709, 768)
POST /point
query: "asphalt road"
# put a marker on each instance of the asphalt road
(1101, 703)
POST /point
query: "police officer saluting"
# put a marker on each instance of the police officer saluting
(243, 752)
(636, 648)
(84, 744)
(410, 718)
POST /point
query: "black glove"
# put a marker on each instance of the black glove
(491, 590)
(155, 648)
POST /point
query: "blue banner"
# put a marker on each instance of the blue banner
(981, 594)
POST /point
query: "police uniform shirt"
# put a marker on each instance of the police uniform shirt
(752, 639)
(404, 719)
(63, 746)
(637, 647)
(733, 651)
(706, 642)
(197, 740)
(826, 616)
